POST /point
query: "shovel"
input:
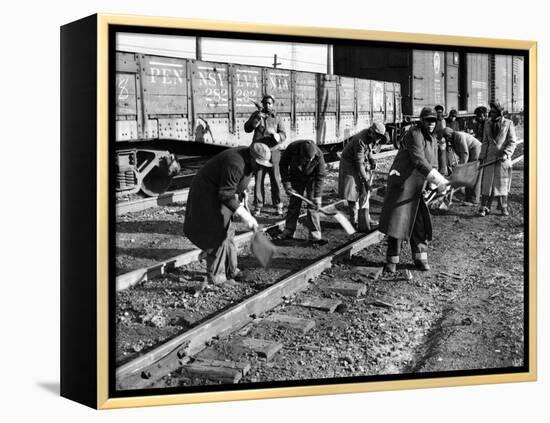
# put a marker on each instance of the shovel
(262, 248)
(363, 218)
(339, 217)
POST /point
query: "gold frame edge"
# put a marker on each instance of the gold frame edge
(103, 22)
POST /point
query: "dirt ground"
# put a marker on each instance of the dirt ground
(465, 313)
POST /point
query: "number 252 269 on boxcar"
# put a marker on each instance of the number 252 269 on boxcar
(168, 108)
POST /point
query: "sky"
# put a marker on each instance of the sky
(307, 57)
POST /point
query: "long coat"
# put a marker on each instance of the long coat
(416, 157)
(497, 178)
(356, 156)
(214, 197)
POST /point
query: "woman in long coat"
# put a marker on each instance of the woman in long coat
(499, 143)
(354, 175)
(405, 215)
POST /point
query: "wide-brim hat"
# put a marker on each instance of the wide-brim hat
(261, 154)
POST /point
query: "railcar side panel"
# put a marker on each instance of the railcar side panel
(477, 74)
(327, 124)
(347, 107)
(389, 96)
(364, 104)
(305, 100)
(517, 85)
(246, 86)
(427, 79)
(452, 63)
(378, 102)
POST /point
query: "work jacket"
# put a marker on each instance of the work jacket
(296, 169)
(466, 146)
(263, 127)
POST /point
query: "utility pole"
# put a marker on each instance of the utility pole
(198, 48)
(275, 63)
(330, 68)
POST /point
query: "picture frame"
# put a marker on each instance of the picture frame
(88, 215)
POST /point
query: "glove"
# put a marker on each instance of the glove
(437, 179)
(288, 189)
(318, 202)
(247, 218)
(503, 157)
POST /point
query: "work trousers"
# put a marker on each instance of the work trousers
(487, 201)
(313, 222)
(442, 157)
(274, 178)
(221, 262)
(419, 244)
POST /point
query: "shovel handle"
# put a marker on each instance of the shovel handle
(311, 203)
(492, 162)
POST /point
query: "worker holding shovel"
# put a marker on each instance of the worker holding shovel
(303, 170)
(405, 215)
(355, 174)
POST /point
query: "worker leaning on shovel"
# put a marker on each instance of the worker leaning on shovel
(405, 215)
(355, 174)
(303, 169)
(213, 201)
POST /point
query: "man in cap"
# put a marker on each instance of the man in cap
(479, 124)
(405, 215)
(452, 121)
(467, 148)
(303, 170)
(268, 129)
(214, 199)
(356, 165)
(499, 143)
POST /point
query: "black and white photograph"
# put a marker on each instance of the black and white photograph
(293, 212)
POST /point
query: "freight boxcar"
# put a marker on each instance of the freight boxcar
(456, 80)
(169, 106)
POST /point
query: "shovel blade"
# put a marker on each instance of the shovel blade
(263, 249)
(345, 223)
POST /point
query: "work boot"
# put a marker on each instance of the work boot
(236, 275)
(422, 265)
(390, 268)
(484, 211)
(286, 234)
(505, 211)
(217, 279)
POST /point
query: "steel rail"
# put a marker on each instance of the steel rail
(146, 370)
(129, 279)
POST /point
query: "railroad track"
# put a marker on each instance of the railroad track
(180, 353)
(217, 349)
